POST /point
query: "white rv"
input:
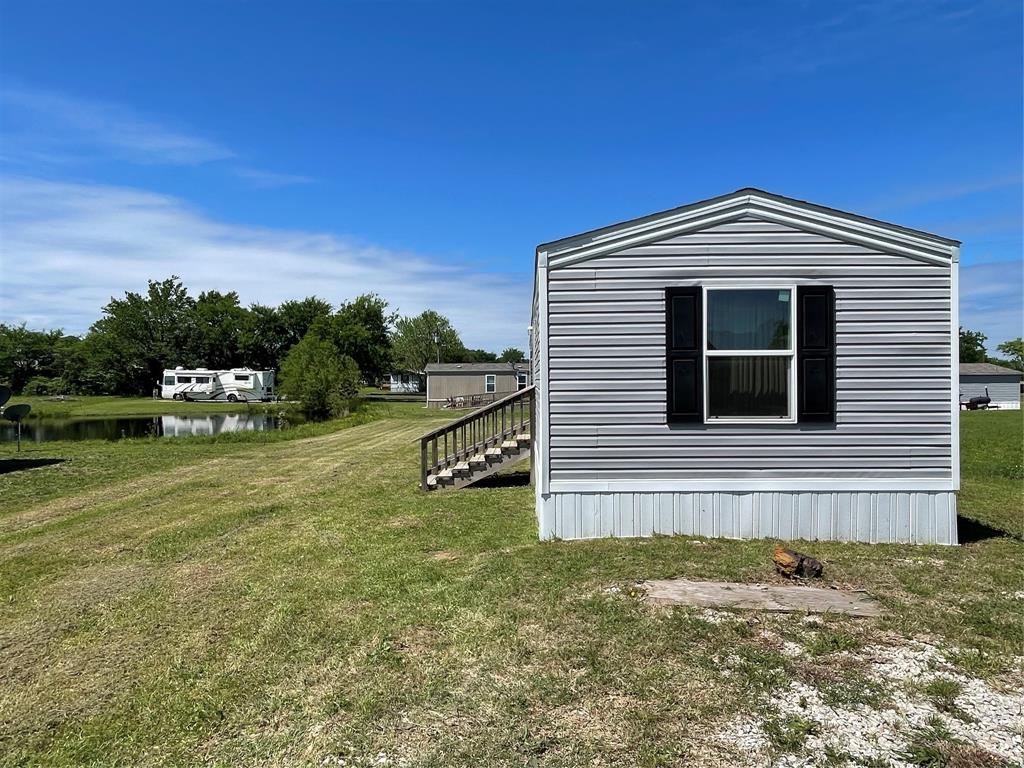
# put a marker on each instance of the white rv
(237, 385)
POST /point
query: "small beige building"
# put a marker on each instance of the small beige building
(465, 385)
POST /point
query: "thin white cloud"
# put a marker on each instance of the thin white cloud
(992, 300)
(954, 190)
(65, 249)
(41, 120)
(47, 128)
(269, 179)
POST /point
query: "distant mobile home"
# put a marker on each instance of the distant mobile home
(471, 384)
(1000, 384)
(405, 382)
(747, 366)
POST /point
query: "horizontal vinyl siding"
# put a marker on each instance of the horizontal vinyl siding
(444, 385)
(607, 363)
(1002, 389)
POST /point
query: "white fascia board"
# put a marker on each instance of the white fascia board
(713, 486)
(844, 222)
(954, 356)
(887, 240)
(541, 388)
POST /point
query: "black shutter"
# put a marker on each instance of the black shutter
(683, 348)
(816, 353)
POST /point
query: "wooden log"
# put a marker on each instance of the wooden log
(796, 565)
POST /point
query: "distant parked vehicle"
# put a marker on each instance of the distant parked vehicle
(238, 385)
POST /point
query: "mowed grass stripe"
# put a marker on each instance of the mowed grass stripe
(183, 508)
(251, 460)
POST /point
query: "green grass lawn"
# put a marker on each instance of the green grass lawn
(991, 458)
(293, 599)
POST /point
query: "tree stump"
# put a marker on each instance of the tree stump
(796, 565)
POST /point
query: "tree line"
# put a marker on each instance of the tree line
(137, 336)
(972, 350)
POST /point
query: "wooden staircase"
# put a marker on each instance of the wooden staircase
(478, 444)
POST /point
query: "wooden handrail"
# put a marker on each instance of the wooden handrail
(474, 433)
(469, 416)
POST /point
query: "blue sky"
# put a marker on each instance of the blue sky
(421, 150)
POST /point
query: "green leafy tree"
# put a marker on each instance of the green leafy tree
(972, 346)
(360, 329)
(1014, 350)
(147, 333)
(27, 355)
(427, 338)
(511, 355)
(474, 356)
(263, 340)
(296, 318)
(220, 323)
(323, 379)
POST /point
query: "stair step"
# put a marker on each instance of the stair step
(478, 459)
(431, 481)
(461, 468)
(493, 453)
(445, 474)
(523, 438)
(510, 445)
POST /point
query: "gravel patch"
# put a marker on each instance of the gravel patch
(978, 715)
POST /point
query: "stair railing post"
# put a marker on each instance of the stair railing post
(423, 465)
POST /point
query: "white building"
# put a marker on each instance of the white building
(747, 366)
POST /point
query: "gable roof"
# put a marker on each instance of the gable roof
(987, 369)
(750, 202)
(478, 367)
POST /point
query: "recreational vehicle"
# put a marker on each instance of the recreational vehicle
(236, 385)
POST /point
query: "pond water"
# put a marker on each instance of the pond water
(84, 428)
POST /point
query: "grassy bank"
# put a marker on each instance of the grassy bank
(293, 599)
(75, 406)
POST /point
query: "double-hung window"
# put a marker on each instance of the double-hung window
(521, 380)
(489, 383)
(761, 353)
(749, 354)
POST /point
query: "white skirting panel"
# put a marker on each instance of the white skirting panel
(908, 517)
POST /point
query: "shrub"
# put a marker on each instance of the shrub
(322, 379)
(41, 386)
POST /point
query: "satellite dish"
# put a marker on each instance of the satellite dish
(17, 412)
(5, 394)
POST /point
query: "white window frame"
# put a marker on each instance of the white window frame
(490, 383)
(790, 353)
(522, 380)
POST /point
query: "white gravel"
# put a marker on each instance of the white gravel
(882, 732)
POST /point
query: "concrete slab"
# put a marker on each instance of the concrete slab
(759, 597)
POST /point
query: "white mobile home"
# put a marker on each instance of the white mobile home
(235, 385)
(747, 366)
(405, 382)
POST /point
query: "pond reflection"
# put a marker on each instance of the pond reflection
(49, 429)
